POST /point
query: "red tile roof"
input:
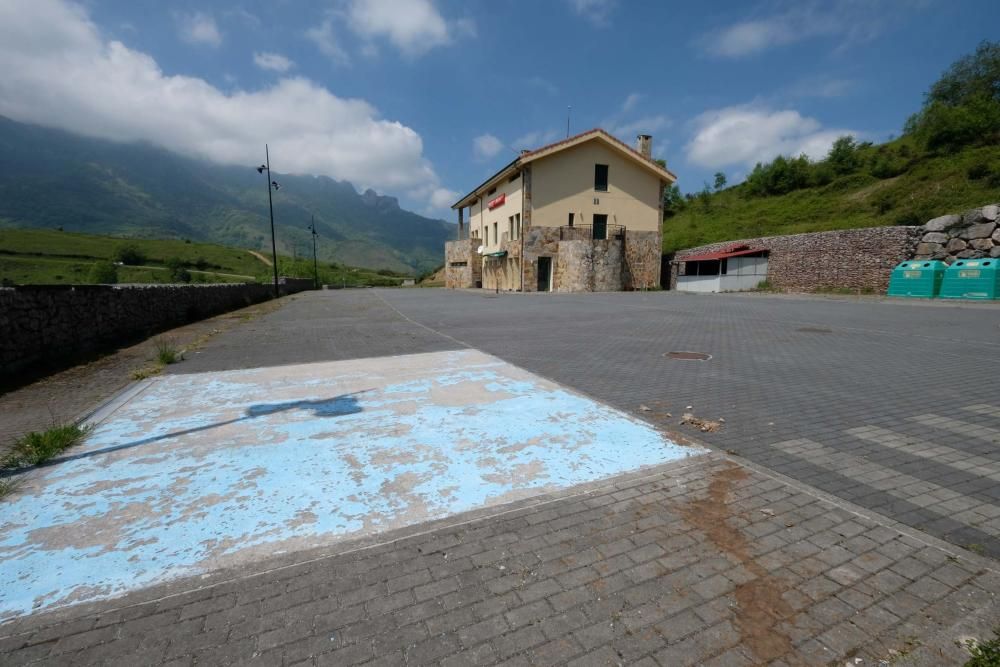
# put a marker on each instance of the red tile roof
(721, 254)
(529, 154)
(603, 133)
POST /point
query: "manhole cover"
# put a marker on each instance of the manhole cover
(814, 330)
(688, 356)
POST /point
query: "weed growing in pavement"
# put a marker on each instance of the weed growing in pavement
(976, 548)
(167, 352)
(38, 447)
(984, 654)
(6, 487)
(143, 373)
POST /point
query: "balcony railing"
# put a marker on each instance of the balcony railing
(588, 233)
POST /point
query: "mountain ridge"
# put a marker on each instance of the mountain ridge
(51, 178)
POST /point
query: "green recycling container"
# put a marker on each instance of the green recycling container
(917, 278)
(972, 279)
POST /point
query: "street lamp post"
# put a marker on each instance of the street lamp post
(312, 228)
(270, 206)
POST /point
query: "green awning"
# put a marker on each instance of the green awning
(501, 253)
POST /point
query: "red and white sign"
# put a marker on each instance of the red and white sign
(497, 201)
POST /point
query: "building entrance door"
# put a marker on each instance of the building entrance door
(544, 274)
(600, 227)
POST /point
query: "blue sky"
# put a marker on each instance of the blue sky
(423, 99)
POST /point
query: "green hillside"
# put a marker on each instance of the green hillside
(930, 186)
(946, 161)
(51, 179)
(42, 256)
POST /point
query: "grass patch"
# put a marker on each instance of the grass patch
(167, 352)
(38, 447)
(984, 654)
(7, 486)
(976, 548)
(146, 372)
(45, 256)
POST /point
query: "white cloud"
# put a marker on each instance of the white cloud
(645, 125)
(744, 135)
(412, 26)
(598, 12)
(486, 146)
(325, 39)
(848, 20)
(274, 62)
(630, 102)
(199, 28)
(442, 198)
(60, 71)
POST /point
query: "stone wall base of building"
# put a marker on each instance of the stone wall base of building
(463, 266)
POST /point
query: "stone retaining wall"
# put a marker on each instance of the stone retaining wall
(857, 259)
(973, 234)
(589, 266)
(642, 260)
(863, 259)
(58, 324)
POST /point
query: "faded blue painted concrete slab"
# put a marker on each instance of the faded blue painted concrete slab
(199, 472)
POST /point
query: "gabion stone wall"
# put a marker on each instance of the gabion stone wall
(862, 259)
(57, 324)
(857, 259)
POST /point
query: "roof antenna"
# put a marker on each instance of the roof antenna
(568, 110)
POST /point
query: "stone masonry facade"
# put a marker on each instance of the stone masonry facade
(862, 259)
(589, 266)
(57, 324)
(579, 263)
(462, 266)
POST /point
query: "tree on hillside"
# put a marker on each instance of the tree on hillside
(720, 180)
(962, 108)
(178, 272)
(781, 176)
(130, 255)
(673, 201)
(843, 155)
(103, 273)
(975, 75)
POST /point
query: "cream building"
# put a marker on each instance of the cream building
(582, 214)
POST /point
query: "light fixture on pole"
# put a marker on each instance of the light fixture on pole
(270, 207)
(312, 228)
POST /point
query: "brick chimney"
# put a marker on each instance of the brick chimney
(644, 144)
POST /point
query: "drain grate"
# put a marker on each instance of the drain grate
(688, 356)
(814, 330)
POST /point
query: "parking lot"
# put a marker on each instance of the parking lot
(891, 405)
(439, 477)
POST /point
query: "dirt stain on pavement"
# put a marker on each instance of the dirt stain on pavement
(761, 606)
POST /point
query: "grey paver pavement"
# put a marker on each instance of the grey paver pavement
(701, 562)
(715, 560)
(783, 369)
